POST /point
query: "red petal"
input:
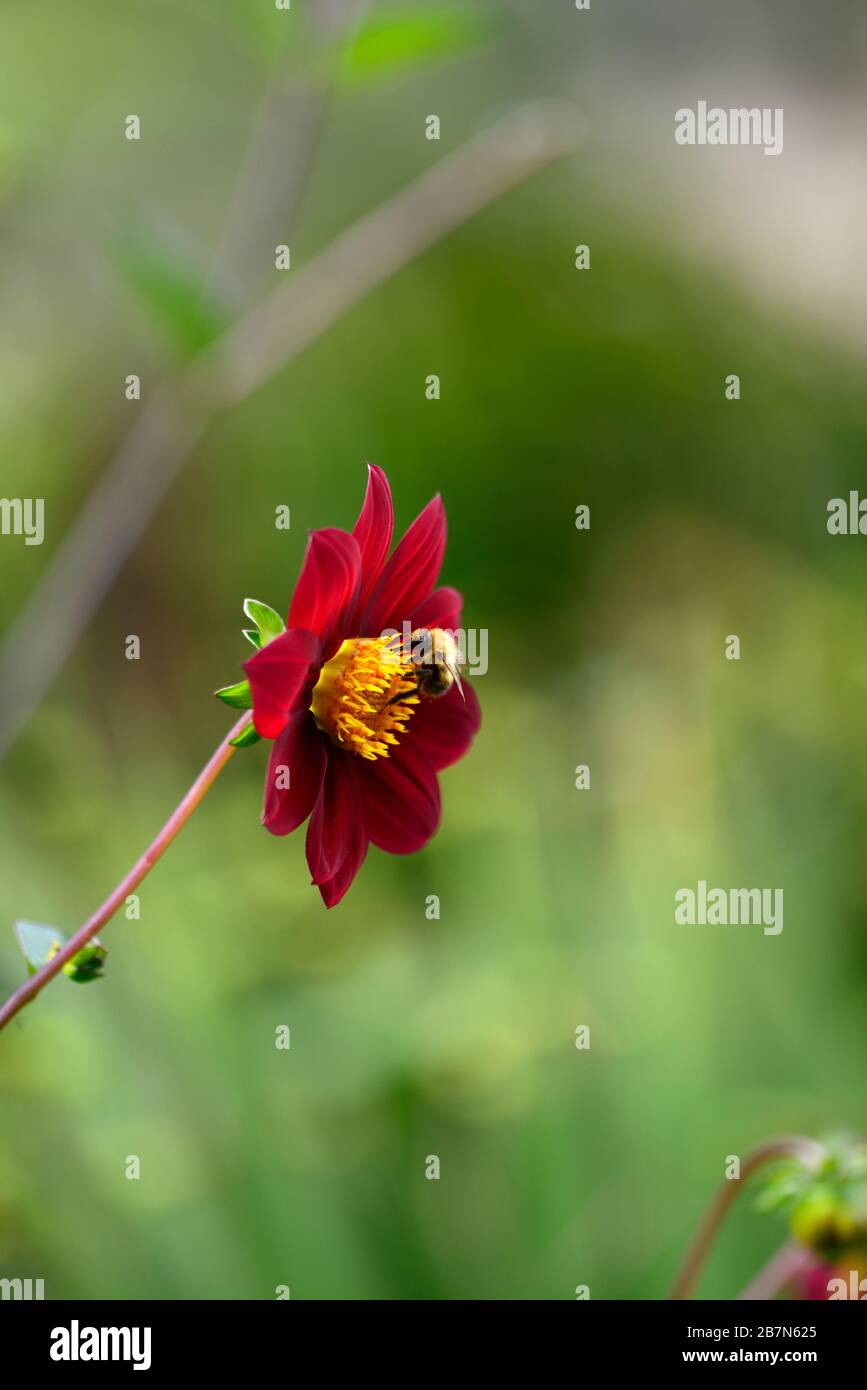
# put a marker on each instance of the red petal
(401, 799)
(301, 749)
(445, 728)
(327, 586)
(442, 608)
(277, 675)
(333, 889)
(410, 573)
(373, 530)
(329, 833)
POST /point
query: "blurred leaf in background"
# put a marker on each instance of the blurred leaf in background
(170, 284)
(394, 41)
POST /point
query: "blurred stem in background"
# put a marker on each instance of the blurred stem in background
(268, 195)
(275, 332)
(811, 1154)
(116, 899)
(791, 1262)
(261, 341)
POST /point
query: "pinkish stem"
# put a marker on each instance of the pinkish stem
(127, 885)
(808, 1151)
(790, 1262)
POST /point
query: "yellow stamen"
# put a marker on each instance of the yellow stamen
(365, 696)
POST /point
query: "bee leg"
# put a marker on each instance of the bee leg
(396, 697)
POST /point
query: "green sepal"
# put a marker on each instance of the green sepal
(245, 738)
(268, 622)
(253, 636)
(238, 696)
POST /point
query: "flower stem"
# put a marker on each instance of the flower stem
(127, 885)
(811, 1155)
(790, 1261)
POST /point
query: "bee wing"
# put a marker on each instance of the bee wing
(456, 676)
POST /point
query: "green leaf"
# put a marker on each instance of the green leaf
(779, 1192)
(245, 738)
(38, 944)
(269, 624)
(393, 41)
(168, 283)
(253, 635)
(237, 696)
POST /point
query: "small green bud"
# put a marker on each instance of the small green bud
(87, 965)
(821, 1221)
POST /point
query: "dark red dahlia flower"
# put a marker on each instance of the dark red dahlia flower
(357, 744)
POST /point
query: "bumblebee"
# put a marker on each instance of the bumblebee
(434, 654)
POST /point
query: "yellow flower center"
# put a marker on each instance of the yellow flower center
(365, 696)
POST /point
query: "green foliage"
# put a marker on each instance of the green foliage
(39, 944)
(826, 1209)
(87, 965)
(394, 42)
(784, 1184)
(171, 288)
(269, 625)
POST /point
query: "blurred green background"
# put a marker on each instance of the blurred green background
(454, 1037)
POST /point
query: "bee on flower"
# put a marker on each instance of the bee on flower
(360, 720)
